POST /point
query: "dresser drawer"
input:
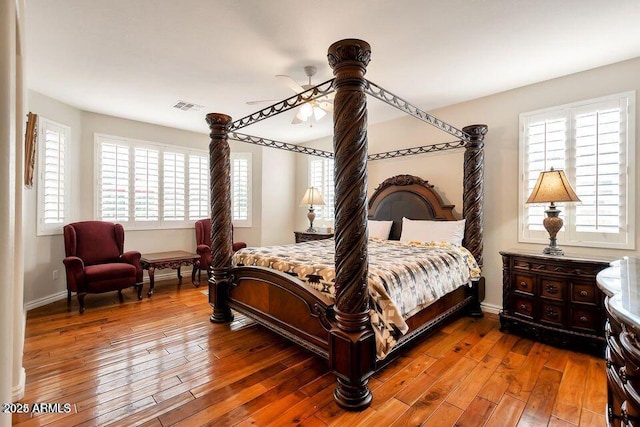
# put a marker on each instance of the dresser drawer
(587, 293)
(523, 307)
(552, 313)
(586, 319)
(524, 284)
(553, 289)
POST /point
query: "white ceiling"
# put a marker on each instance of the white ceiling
(136, 58)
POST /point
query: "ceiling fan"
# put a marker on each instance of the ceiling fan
(311, 111)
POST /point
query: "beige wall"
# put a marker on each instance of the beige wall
(500, 112)
(272, 211)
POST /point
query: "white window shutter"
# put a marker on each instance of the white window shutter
(174, 186)
(147, 176)
(114, 179)
(593, 142)
(53, 204)
(241, 173)
(198, 187)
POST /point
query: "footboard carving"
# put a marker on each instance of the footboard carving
(284, 304)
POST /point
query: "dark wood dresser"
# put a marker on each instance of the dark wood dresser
(553, 299)
(307, 236)
(620, 285)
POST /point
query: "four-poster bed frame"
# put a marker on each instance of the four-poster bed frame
(340, 330)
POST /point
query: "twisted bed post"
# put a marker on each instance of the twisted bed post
(473, 195)
(351, 342)
(221, 241)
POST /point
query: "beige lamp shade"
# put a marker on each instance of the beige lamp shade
(552, 186)
(312, 197)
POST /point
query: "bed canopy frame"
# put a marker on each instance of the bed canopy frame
(350, 338)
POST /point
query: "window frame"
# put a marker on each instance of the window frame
(569, 236)
(132, 144)
(42, 229)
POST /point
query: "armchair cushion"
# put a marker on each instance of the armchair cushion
(107, 277)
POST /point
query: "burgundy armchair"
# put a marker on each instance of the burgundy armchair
(95, 262)
(203, 242)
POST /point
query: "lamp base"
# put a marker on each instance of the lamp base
(311, 215)
(553, 250)
(553, 223)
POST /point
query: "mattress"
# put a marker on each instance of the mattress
(403, 279)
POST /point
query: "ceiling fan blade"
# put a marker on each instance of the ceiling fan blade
(263, 101)
(290, 82)
(326, 106)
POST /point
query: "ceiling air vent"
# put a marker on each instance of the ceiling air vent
(188, 106)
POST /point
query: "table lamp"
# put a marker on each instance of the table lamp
(552, 186)
(312, 197)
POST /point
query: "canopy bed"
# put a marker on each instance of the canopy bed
(339, 329)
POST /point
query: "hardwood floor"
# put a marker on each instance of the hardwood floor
(160, 362)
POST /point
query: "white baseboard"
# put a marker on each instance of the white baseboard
(45, 300)
(171, 274)
(17, 392)
(490, 308)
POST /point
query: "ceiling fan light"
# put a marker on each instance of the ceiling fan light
(305, 112)
(318, 113)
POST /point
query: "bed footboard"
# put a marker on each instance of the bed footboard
(283, 304)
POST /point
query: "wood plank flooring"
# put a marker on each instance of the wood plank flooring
(160, 362)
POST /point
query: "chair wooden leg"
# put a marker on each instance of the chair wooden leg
(81, 296)
(120, 297)
(139, 289)
(68, 297)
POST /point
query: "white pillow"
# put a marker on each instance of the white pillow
(427, 231)
(379, 229)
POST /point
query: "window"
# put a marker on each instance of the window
(53, 194)
(321, 177)
(147, 185)
(241, 189)
(593, 141)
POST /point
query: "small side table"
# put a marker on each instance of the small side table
(307, 236)
(173, 260)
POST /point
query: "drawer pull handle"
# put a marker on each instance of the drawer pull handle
(584, 293)
(523, 307)
(583, 318)
(551, 289)
(552, 313)
(523, 284)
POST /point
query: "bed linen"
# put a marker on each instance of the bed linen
(404, 278)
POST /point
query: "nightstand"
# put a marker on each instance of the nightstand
(553, 299)
(307, 236)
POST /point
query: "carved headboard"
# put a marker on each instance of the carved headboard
(407, 196)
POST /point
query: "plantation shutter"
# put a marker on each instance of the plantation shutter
(146, 170)
(321, 177)
(198, 187)
(546, 148)
(114, 179)
(599, 157)
(174, 186)
(240, 167)
(53, 179)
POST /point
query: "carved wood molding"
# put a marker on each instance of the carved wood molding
(401, 180)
